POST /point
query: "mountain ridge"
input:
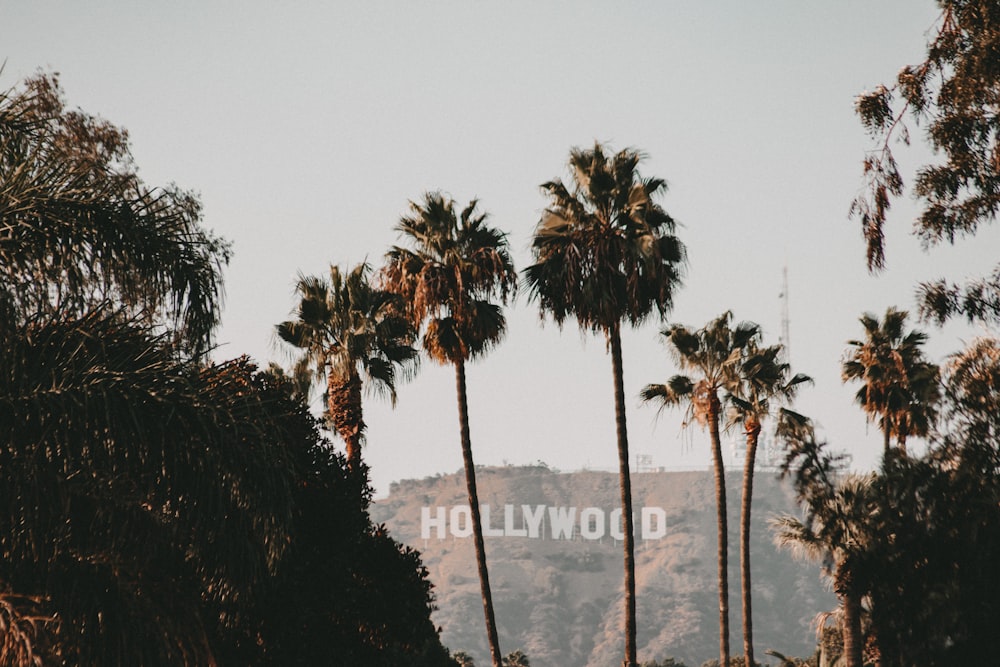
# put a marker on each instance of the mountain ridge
(559, 600)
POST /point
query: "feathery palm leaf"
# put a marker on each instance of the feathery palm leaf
(605, 252)
(455, 266)
(79, 228)
(136, 488)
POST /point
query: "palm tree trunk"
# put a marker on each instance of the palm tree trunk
(753, 433)
(625, 484)
(886, 443)
(345, 412)
(852, 629)
(723, 528)
(477, 527)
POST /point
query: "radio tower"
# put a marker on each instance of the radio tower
(785, 340)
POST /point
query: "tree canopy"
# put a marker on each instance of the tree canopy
(156, 509)
(954, 94)
(79, 227)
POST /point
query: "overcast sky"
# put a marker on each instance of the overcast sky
(307, 127)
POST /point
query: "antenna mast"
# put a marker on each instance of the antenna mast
(785, 340)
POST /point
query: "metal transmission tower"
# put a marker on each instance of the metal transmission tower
(785, 340)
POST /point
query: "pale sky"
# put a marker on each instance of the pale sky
(307, 127)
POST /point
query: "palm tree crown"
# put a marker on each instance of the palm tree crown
(715, 354)
(899, 387)
(351, 334)
(605, 250)
(764, 383)
(456, 265)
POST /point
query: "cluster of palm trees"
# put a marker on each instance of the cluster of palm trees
(605, 254)
(729, 367)
(900, 390)
(109, 292)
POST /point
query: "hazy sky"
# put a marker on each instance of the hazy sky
(307, 127)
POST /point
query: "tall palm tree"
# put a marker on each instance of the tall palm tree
(455, 267)
(605, 253)
(763, 382)
(351, 334)
(899, 387)
(714, 354)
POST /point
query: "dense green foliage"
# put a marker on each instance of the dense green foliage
(914, 546)
(345, 593)
(78, 227)
(155, 509)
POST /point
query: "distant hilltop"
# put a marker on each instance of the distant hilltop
(556, 564)
(541, 521)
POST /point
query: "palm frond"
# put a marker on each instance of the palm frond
(453, 279)
(78, 227)
(346, 328)
(604, 250)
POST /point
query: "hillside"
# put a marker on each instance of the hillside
(560, 599)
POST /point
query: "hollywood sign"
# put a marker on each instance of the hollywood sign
(541, 521)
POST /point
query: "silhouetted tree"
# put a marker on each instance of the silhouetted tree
(448, 277)
(713, 354)
(344, 593)
(79, 228)
(838, 527)
(351, 334)
(605, 254)
(954, 94)
(115, 524)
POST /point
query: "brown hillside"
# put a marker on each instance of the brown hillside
(560, 600)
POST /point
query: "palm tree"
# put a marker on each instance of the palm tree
(899, 387)
(715, 354)
(836, 529)
(347, 330)
(763, 382)
(605, 253)
(455, 266)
